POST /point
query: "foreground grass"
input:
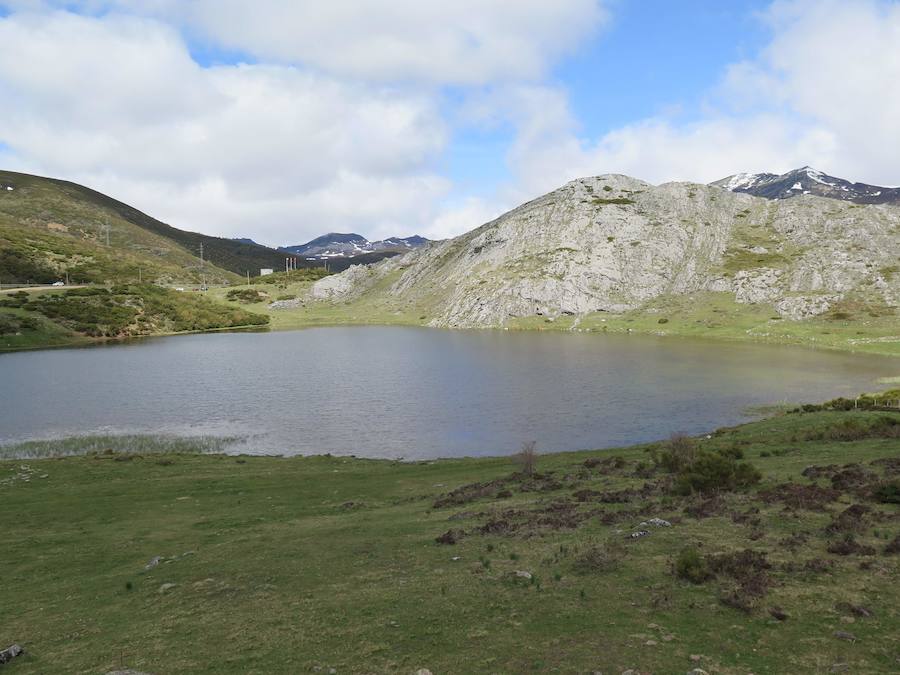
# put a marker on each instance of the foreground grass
(307, 564)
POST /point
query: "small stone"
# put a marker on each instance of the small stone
(522, 574)
(656, 522)
(844, 635)
(154, 561)
(839, 668)
(778, 613)
(423, 671)
(697, 671)
(456, 558)
(668, 638)
(630, 671)
(638, 534)
(651, 643)
(10, 653)
(165, 588)
(695, 658)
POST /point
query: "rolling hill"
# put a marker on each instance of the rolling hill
(50, 226)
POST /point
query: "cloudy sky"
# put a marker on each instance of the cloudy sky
(284, 119)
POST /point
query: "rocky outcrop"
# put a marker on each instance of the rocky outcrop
(612, 243)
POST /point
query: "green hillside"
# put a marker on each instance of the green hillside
(60, 215)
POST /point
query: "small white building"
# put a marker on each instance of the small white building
(265, 270)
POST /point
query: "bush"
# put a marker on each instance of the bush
(680, 453)
(712, 472)
(526, 458)
(691, 566)
(888, 492)
(245, 295)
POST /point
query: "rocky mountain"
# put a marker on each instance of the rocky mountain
(808, 181)
(611, 244)
(338, 245)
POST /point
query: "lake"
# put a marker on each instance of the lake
(414, 393)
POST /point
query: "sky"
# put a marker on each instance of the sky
(281, 120)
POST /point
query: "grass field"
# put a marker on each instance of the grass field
(178, 562)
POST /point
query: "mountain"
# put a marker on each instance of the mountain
(808, 181)
(68, 227)
(338, 245)
(607, 245)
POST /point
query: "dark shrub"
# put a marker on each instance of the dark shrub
(691, 566)
(712, 472)
(888, 492)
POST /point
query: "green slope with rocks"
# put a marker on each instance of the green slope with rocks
(768, 548)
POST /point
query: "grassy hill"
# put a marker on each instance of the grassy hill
(207, 563)
(65, 218)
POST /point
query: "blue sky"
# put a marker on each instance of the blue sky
(282, 120)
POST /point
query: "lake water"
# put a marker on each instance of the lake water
(414, 393)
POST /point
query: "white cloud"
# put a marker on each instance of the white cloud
(335, 124)
(273, 151)
(823, 92)
(461, 42)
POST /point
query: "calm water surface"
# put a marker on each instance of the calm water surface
(413, 393)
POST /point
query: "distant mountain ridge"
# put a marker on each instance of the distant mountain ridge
(345, 245)
(808, 181)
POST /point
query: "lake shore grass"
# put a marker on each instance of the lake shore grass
(185, 562)
(714, 316)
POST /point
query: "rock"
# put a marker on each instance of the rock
(286, 304)
(656, 522)
(844, 635)
(697, 671)
(651, 643)
(10, 653)
(839, 668)
(456, 558)
(423, 671)
(165, 588)
(127, 672)
(637, 535)
(154, 561)
(799, 307)
(855, 610)
(696, 658)
(778, 613)
(522, 574)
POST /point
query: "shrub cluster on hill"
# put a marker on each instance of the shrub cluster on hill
(704, 471)
(123, 311)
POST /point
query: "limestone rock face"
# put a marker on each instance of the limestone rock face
(611, 243)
